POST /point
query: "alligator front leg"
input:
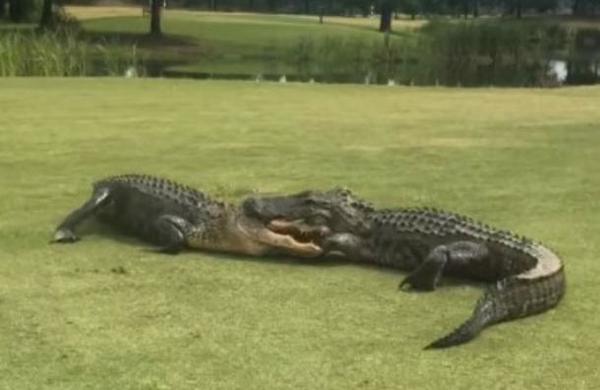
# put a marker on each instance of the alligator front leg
(65, 232)
(171, 232)
(348, 245)
(461, 253)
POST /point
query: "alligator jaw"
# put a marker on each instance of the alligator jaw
(289, 244)
(280, 241)
(299, 230)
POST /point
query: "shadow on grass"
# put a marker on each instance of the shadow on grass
(95, 228)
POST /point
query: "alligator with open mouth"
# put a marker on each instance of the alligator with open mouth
(525, 277)
(174, 216)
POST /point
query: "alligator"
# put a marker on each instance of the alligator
(174, 216)
(523, 277)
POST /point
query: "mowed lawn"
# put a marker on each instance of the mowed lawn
(107, 313)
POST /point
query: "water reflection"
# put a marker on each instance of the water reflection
(558, 70)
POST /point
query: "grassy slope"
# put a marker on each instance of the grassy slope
(228, 42)
(105, 313)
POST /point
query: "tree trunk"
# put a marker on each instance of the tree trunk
(386, 16)
(46, 20)
(509, 9)
(475, 8)
(15, 10)
(2, 8)
(576, 6)
(519, 9)
(306, 7)
(155, 18)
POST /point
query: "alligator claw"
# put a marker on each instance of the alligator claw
(414, 282)
(64, 236)
(404, 284)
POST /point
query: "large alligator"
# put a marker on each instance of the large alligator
(174, 217)
(525, 277)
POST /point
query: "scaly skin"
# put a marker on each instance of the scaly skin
(175, 216)
(525, 277)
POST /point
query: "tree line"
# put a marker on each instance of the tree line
(515, 8)
(25, 10)
(22, 10)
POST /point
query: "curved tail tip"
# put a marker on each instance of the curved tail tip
(464, 333)
(442, 343)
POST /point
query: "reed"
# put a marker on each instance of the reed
(62, 53)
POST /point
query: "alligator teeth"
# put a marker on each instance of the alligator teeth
(299, 230)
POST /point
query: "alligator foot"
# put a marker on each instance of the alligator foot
(64, 236)
(458, 254)
(417, 281)
(427, 275)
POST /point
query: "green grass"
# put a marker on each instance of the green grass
(106, 313)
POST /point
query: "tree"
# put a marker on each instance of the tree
(16, 10)
(585, 7)
(155, 17)
(2, 8)
(21, 10)
(387, 9)
(47, 20)
(272, 5)
(410, 7)
(515, 7)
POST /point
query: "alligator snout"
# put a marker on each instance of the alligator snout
(253, 207)
(283, 216)
(269, 208)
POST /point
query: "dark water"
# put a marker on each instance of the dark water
(583, 64)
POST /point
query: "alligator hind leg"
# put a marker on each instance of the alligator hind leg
(461, 253)
(65, 232)
(170, 233)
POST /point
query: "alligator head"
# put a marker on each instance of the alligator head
(331, 218)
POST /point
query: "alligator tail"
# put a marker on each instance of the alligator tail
(485, 313)
(516, 296)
